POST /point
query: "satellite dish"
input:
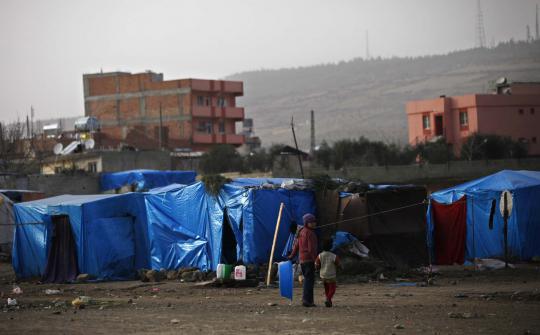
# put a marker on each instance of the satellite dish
(501, 81)
(58, 148)
(89, 144)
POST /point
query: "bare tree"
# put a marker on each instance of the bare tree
(16, 150)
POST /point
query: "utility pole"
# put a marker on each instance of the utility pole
(160, 133)
(296, 146)
(480, 32)
(27, 126)
(31, 121)
(528, 36)
(312, 144)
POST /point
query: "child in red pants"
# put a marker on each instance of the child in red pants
(327, 263)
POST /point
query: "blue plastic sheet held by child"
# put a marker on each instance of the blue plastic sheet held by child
(286, 279)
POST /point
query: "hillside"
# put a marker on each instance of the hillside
(368, 98)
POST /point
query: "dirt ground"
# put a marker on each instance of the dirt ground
(459, 302)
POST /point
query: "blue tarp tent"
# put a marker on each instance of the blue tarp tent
(189, 227)
(145, 179)
(109, 232)
(483, 238)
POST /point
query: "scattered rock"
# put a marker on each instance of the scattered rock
(461, 295)
(175, 321)
(305, 320)
(192, 276)
(456, 315)
(271, 304)
(57, 312)
(52, 292)
(172, 275)
(398, 326)
(17, 290)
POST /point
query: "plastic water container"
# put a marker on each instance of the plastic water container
(286, 279)
(219, 271)
(240, 272)
(228, 271)
(224, 271)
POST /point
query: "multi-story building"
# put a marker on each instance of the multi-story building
(193, 113)
(513, 110)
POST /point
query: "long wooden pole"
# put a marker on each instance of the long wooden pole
(274, 244)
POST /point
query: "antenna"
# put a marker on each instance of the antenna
(312, 146)
(537, 32)
(58, 147)
(89, 144)
(480, 32)
(367, 46)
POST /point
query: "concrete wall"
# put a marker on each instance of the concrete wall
(457, 170)
(52, 185)
(129, 160)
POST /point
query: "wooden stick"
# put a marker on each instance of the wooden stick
(274, 244)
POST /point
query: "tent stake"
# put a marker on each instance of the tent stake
(274, 245)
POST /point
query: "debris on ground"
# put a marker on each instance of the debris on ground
(399, 326)
(456, 315)
(82, 278)
(11, 302)
(175, 321)
(52, 292)
(17, 290)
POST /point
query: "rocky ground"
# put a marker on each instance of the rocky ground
(458, 302)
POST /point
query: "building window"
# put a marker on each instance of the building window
(208, 101)
(200, 100)
(92, 167)
(426, 122)
(520, 111)
(204, 127)
(532, 111)
(221, 102)
(463, 118)
(222, 127)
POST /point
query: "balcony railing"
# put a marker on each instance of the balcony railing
(234, 139)
(218, 112)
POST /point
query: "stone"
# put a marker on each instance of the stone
(398, 326)
(192, 276)
(175, 321)
(172, 275)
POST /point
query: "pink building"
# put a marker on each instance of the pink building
(514, 111)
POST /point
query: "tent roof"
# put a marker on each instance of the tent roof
(145, 179)
(500, 181)
(247, 182)
(68, 199)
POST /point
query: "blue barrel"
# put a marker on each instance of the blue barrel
(286, 279)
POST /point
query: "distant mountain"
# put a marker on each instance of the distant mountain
(367, 97)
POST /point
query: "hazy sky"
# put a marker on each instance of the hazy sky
(46, 46)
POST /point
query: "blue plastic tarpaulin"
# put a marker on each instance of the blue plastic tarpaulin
(487, 241)
(286, 279)
(145, 179)
(109, 232)
(186, 224)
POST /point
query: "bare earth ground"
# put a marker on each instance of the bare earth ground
(494, 302)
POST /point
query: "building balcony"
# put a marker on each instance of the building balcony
(225, 86)
(233, 139)
(236, 113)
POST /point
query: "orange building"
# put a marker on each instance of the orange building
(194, 114)
(513, 110)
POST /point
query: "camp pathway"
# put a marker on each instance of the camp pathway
(460, 302)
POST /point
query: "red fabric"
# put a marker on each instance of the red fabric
(329, 290)
(305, 245)
(450, 231)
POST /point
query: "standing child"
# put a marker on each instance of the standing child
(327, 262)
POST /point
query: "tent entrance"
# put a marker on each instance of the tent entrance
(62, 258)
(450, 231)
(228, 242)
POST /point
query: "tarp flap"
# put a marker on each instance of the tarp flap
(342, 238)
(145, 179)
